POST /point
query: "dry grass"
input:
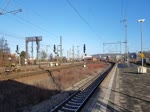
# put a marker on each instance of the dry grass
(14, 95)
(67, 77)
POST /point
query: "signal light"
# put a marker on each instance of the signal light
(84, 48)
(17, 48)
(54, 48)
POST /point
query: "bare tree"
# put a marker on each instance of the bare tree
(51, 57)
(4, 46)
(43, 55)
(4, 52)
(22, 57)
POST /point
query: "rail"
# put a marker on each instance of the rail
(15, 75)
(78, 99)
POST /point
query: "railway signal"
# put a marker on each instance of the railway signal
(54, 48)
(84, 48)
(17, 49)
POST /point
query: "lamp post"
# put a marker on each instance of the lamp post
(141, 21)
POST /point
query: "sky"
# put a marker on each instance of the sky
(79, 22)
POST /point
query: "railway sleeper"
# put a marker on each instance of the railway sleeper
(78, 98)
(60, 111)
(78, 101)
(65, 109)
(71, 105)
(74, 103)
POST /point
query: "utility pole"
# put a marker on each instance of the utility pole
(57, 53)
(126, 42)
(47, 51)
(60, 49)
(84, 51)
(73, 53)
(67, 54)
(17, 51)
(120, 47)
(32, 52)
(77, 52)
(70, 54)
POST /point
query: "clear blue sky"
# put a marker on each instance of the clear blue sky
(54, 18)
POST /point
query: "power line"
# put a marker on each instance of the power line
(83, 18)
(39, 16)
(25, 20)
(125, 14)
(121, 9)
(5, 6)
(21, 38)
(38, 27)
(125, 28)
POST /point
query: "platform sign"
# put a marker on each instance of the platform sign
(142, 55)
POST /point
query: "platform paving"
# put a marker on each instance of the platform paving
(134, 88)
(129, 92)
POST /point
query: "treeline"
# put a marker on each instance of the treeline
(4, 52)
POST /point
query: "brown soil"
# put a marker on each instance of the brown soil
(31, 90)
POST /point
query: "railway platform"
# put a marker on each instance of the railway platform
(124, 90)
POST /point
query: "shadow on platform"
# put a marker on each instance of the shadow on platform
(110, 106)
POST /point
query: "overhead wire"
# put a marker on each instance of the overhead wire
(5, 6)
(126, 7)
(83, 19)
(26, 21)
(8, 34)
(37, 26)
(121, 9)
(33, 25)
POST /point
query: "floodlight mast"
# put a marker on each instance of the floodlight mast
(141, 21)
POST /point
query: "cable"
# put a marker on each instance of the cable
(31, 23)
(83, 19)
(121, 9)
(38, 27)
(125, 13)
(124, 9)
(8, 34)
(37, 14)
(11, 35)
(25, 20)
(5, 6)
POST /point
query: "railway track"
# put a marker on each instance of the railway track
(77, 100)
(15, 75)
